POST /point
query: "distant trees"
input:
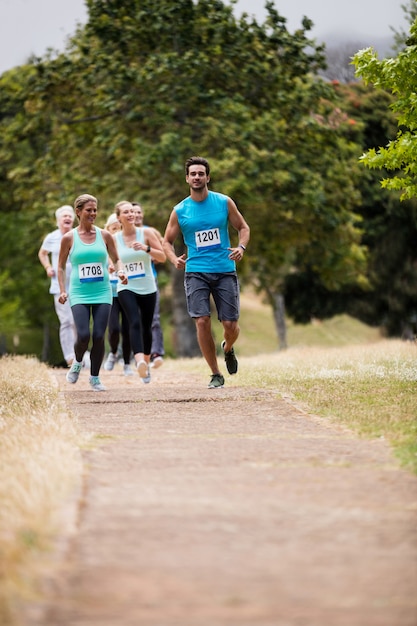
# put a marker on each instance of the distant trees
(396, 254)
(146, 84)
(339, 61)
(401, 35)
(385, 123)
(397, 76)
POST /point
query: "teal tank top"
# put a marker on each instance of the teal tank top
(89, 281)
(204, 227)
(138, 266)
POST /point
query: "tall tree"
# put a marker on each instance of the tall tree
(389, 232)
(146, 84)
(397, 76)
(398, 158)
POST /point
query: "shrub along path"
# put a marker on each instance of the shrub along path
(231, 507)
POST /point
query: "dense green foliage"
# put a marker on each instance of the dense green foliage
(393, 232)
(143, 86)
(389, 233)
(398, 76)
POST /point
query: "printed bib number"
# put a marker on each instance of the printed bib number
(90, 272)
(136, 269)
(207, 238)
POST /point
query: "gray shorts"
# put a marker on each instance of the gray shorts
(223, 287)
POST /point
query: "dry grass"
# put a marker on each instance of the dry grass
(371, 388)
(40, 464)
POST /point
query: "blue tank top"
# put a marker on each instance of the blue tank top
(204, 227)
(138, 266)
(89, 282)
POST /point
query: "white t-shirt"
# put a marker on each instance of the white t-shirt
(52, 244)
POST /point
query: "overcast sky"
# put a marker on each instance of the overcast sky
(31, 26)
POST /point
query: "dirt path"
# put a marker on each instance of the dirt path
(231, 507)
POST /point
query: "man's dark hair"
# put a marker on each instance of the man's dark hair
(197, 160)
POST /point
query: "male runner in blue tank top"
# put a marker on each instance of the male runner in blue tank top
(210, 264)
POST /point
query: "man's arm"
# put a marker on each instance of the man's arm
(238, 222)
(45, 262)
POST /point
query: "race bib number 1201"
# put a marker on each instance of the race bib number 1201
(207, 238)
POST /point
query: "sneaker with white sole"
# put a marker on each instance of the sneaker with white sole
(142, 368)
(110, 361)
(230, 359)
(96, 385)
(74, 372)
(147, 379)
(217, 381)
(127, 370)
(157, 361)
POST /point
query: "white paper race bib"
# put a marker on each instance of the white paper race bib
(90, 272)
(136, 269)
(207, 238)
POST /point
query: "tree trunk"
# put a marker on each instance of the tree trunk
(46, 342)
(185, 336)
(278, 305)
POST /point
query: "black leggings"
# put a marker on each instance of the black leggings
(100, 314)
(139, 312)
(116, 313)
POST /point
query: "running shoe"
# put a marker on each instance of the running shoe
(74, 372)
(217, 380)
(147, 379)
(157, 361)
(142, 368)
(144, 372)
(96, 385)
(127, 370)
(110, 361)
(230, 359)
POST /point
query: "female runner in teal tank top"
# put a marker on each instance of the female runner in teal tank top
(137, 247)
(90, 294)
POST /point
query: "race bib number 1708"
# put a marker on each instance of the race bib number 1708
(90, 272)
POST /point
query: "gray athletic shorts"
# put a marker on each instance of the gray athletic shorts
(223, 287)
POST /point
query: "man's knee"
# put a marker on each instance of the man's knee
(231, 327)
(203, 323)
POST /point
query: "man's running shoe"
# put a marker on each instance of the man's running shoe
(96, 385)
(74, 372)
(110, 361)
(230, 359)
(217, 380)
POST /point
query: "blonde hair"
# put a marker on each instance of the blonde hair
(112, 219)
(83, 199)
(119, 206)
